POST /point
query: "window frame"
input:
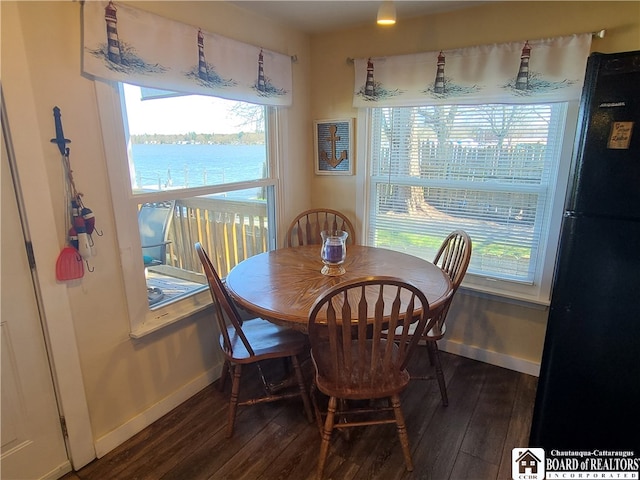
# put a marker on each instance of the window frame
(536, 295)
(144, 320)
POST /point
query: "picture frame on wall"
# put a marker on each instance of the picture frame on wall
(333, 141)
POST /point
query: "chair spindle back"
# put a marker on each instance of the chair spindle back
(349, 321)
(306, 227)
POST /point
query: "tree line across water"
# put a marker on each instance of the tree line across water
(241, 138)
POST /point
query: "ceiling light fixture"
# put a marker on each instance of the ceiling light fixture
(387, 13)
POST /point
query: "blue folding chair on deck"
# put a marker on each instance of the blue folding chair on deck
(154, 220)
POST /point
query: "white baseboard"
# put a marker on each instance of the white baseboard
(493, 358)
(111, 440)
(58, 472)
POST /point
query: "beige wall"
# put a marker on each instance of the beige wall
(480, 326)
(123, 378)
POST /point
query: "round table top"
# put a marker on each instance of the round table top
(282, 285)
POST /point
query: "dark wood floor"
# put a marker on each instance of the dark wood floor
(489, 413)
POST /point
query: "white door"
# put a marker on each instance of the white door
(33, 445)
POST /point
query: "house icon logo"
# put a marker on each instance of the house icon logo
(527, 464)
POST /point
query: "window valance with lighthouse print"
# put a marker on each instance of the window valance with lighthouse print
(125, 44)
(531, 71)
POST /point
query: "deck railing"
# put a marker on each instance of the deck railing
(229, 230)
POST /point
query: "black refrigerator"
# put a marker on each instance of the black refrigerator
(588, 394)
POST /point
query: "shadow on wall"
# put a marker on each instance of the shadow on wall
(497, 327)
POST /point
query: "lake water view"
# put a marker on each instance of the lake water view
(193, 165)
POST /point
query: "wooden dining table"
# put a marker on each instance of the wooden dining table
(282, 285)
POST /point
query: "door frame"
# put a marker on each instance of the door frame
(18, 108)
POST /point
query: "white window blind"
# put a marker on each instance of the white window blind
(487, 169)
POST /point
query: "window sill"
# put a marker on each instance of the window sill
(173, 313)
(505, 297)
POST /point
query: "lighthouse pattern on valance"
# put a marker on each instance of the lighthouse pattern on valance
(540, 71)
(125, 44)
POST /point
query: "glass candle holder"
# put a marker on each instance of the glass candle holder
(333, 252)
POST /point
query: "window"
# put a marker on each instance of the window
(184, 169)
(492, 170)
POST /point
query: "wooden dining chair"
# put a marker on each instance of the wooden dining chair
(154, 223)
(306, 227)
(252, 341)
(453, 258)
(355, 362)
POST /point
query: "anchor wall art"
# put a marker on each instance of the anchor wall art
(125, 44)
(333, 147)
(530, 71)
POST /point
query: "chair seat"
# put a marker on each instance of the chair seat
(267, 341)
(433, 334)
(351, 385)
